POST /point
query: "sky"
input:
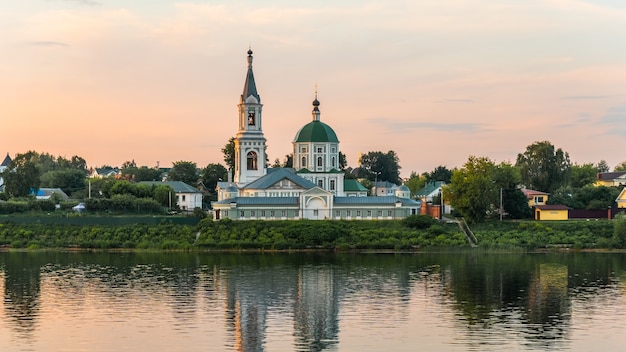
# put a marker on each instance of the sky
(158, 81)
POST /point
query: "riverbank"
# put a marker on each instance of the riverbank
(392, 235)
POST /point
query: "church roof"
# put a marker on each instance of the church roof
(6, 161)
(177, 186)
(375, 200)
(352, 185)
(249, 88)
(260, 201)
(316, 131)
(271, 178)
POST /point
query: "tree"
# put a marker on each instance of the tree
(582, 175)
(506, 179)
(22, 175)
(69, 180)
(229, 153)
(212, 174)
(185, 171)
(472, 191)
(620, 167)
(343, 162)
(602, 166)
(440, 173)
(415, 182)
(542, 167)
(288, 162)
(276, 163)
(381, 166)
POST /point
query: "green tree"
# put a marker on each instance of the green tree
(343, 162)
(472, 191)
(165, 195)
(212, 174)
(506, 179)
(138, 174)
(619, 231)
(229, 153)
(381, 166)
(582, 175)
(542, 167)
(620, 167)
(440, 173)
(69, 180)
(603, 166)
(22, 175)
(415, 182)
(185, 171)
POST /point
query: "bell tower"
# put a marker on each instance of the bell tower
(250, 158)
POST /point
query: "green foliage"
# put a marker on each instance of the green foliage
(229, 153)
(418, 221)
(472, 191)
(185, 171)
(212, 174)
(582, 175)
(619, 231)
(69, 180)
(381, 166)
(415, 182)
(542, 167)
(440, 173)
(621, 166)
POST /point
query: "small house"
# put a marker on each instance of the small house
(551, 212)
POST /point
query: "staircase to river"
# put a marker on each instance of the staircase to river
(471, 239)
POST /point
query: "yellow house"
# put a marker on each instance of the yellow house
(621, 199)
(610, 179)
(551, 212)
(535, 197)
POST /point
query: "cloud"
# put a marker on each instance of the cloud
(84, 2)
(457, 101)
(586, 97)
(46, 43)
(410, 127)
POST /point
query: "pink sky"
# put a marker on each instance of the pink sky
(159, 81)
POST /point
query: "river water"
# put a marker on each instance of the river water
(68, 301)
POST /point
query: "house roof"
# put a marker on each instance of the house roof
(529, 193)
(277, 175)
(386, 200)
(552, 207)
(177, 186)
(6, 161)
(384, 184)
(261, 201)
(429, 188)
(352, 185)
(48, 192)
(605, 176)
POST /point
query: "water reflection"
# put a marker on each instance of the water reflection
(310, 302)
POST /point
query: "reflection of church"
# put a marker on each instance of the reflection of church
(314, 188)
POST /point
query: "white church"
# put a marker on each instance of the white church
(314, 188)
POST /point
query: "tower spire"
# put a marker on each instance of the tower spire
(316, 104)
(249, 88)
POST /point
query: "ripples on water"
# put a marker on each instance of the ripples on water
(304, 302)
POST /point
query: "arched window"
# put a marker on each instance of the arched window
(319, 161)
(332, 161)
(320, 183)
(303, 165)
(332, 185)
(252, 161)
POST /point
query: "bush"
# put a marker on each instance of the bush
(418, 221)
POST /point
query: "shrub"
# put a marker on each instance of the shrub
(418, 221)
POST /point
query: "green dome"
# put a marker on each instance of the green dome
(316, 131)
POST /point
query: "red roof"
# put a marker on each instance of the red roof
(552, 207)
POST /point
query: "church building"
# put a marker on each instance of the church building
(314, 188)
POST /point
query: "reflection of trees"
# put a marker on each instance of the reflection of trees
(21, 291)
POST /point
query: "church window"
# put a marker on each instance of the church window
(271, 213)
(304, 161)
(332, 150)
(337, 213)
(320, 183)
(241, 214)
(263, 213)
(358, 213)
(332, 185)
(304, 149)
(250, 117)
(252, 213)
(320, 149)
(315, 212)
(333, 161)
(252, 161)
(369, 213)
(283, 213)
(320, 162)
(348, 212)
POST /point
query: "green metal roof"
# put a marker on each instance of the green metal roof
(277, 174)
(352, 185)
(177, 186)
(316, 131)
(429, 188)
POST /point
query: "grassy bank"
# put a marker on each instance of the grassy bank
(304, 234)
